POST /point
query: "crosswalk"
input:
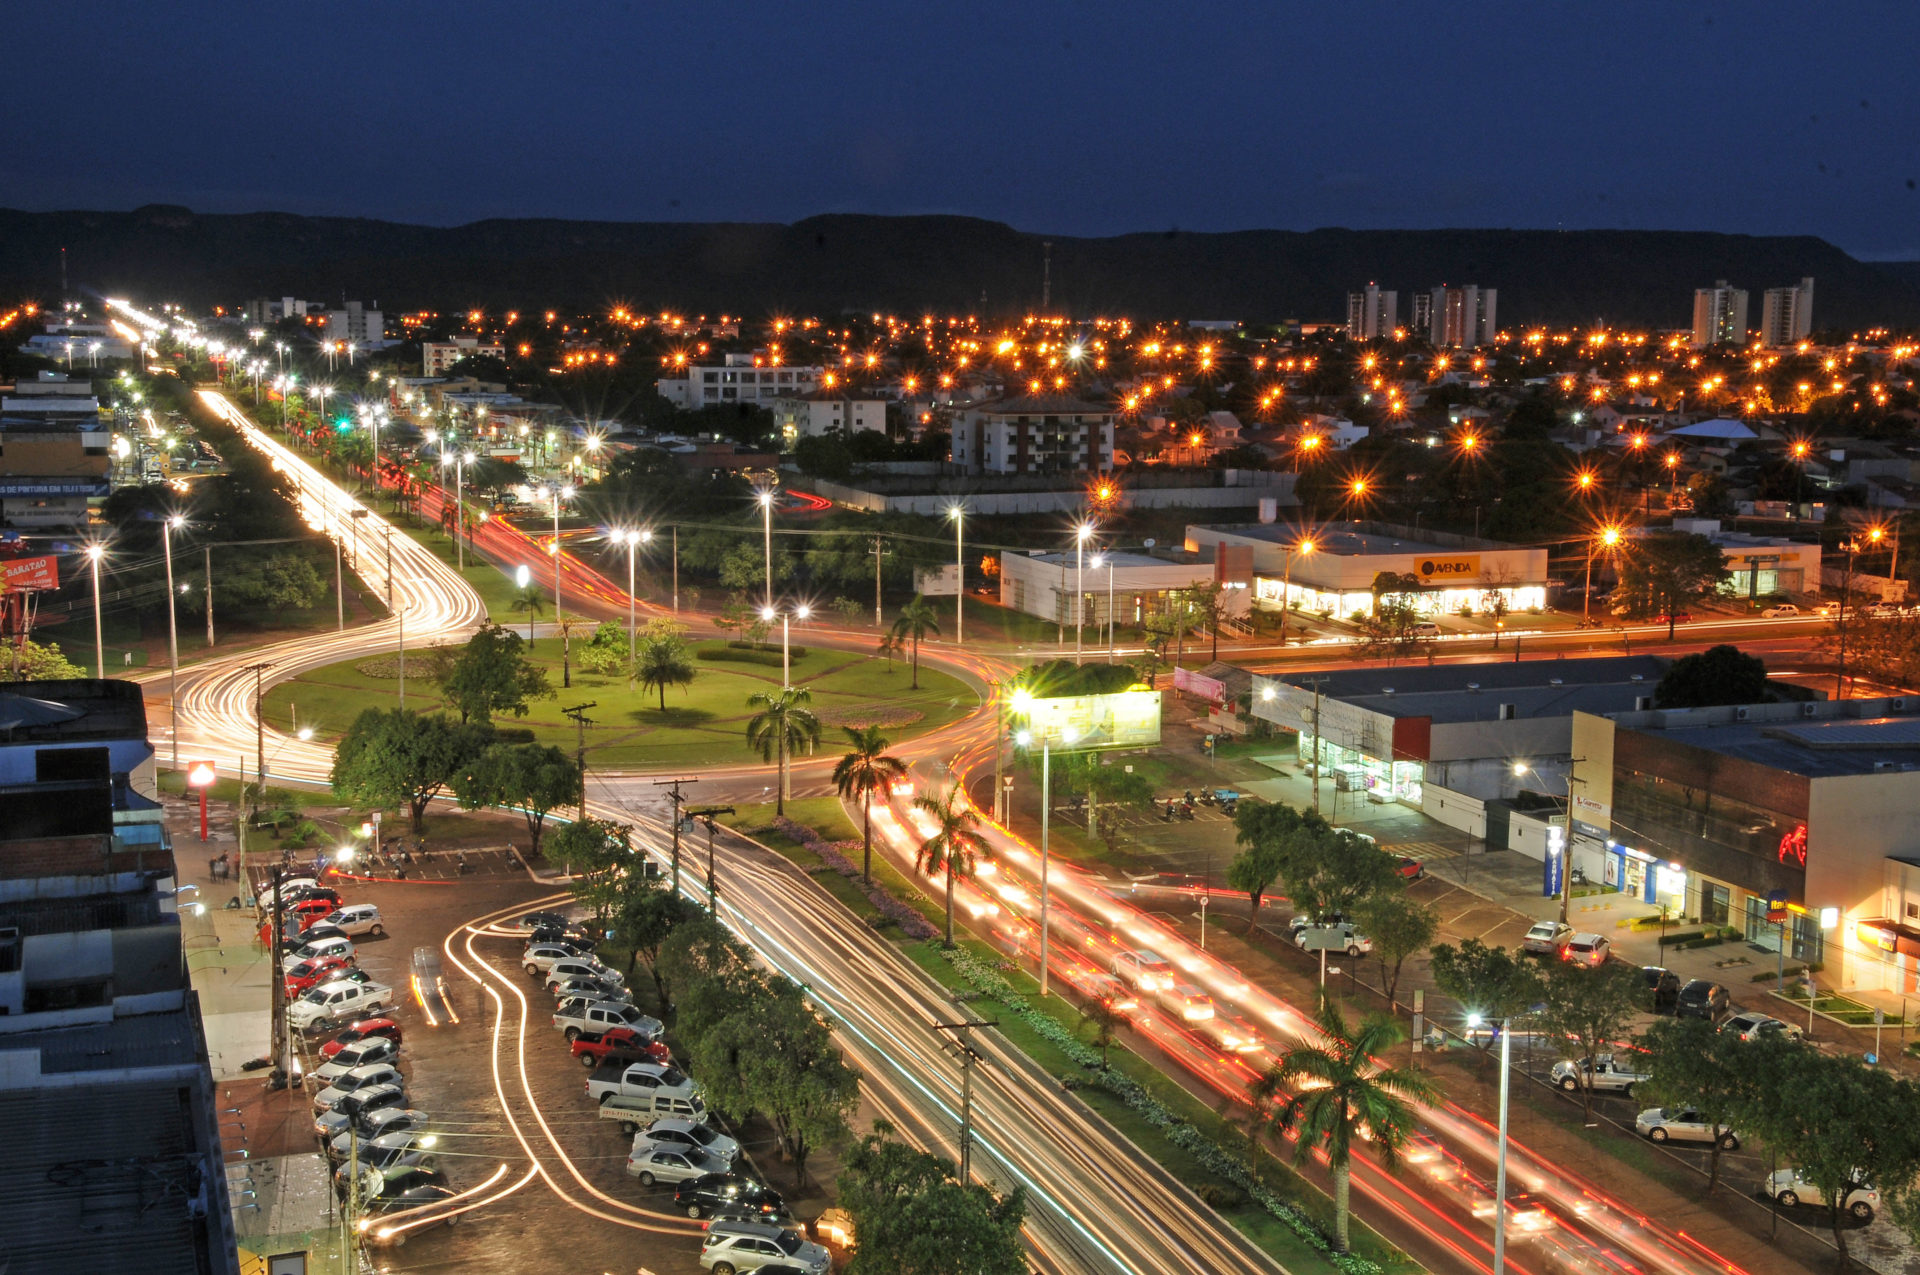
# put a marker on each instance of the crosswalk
(1425, 851)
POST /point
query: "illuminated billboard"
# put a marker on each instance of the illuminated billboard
(1122, 719)
(29, 573)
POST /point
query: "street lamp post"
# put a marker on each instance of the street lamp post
(766, 517)
(800, 612)
(959, 516)
(1500, 1169)
(559, 614)
(94, 553)
(1565, 850)
(1304, 546)
(1080, 537)
(167, 526)
(1106, 559)
(1610, 537)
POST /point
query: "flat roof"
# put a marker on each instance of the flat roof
(1343, 544)
(1816, 748)
(1120, 559)
(1474, 692)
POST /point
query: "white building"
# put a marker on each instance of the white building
(742, 378)
(1786, 314)
(1720, 315)
(1132, 587)
(828, 412)
(1034, 434)
(1761, 565)
(1461, 318)
(437, 356)
(1372, 314)
(357, 324)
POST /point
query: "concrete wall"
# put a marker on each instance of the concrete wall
(1528, 834)
(1853, 823)
(935, 504)
(1455, 809)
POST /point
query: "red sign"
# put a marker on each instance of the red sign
(1793, 847)
(29, 573)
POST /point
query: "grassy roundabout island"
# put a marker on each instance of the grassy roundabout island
(704, 723)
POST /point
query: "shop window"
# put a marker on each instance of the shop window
(1714, 901)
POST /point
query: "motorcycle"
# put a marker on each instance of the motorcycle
(1207, 798)
(1186, 810)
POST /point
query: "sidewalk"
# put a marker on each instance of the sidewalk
(229, 967)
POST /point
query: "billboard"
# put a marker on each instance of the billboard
(1447, 568)
(29, 573)
(1124, 719)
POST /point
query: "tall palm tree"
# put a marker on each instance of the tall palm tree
(662, 661)
(783, 724)
(1351, 1093)
(534, 603)
(866, 770)
(1103, 1020)
(917, 619)
(954, 843)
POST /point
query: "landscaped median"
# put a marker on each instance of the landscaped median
(1275, 1208)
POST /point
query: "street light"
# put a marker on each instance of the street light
(632, 540)
(800, 612)
(167, 527)
(1608, 536)
(1106, 559)
(959, 515)
(522, 576)
(1500, 1170)
(766, 514)
(94, 552)
(559, 613)
(1301, 548)
(1023, 702)
(1563, 852)
(1081, 534)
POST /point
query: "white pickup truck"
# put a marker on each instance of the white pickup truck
(636, 1111)
(1602, 1075)
(578, 1016)
(657, 1080)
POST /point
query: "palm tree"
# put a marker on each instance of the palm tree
(1103, 1019)
(533, 602)
(1351, 1093)
(953, 845)
(662, 661)
(917, 619)
(783, 724)
(889, 646)
(868, 769)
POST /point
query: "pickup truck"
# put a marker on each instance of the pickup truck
(1602, 1075)
(656, 1079)
(619, 1044)
(578, 1016)
(636, 1111)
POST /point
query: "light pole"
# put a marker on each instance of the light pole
(559, 494)
(1081, 534)
(959, 515)
(1107, 559)
(800, 612)
(633, 540)
(1500, 1170)
(522, 576)
(173, 638)
(1610, 537)
(1301, 548)
(1023, 703)
(94, 553)
(766, 516)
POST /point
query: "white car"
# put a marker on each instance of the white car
(1683, 1124)
(338, 945)
(583, 967)
(320, 1008)
(359, 1078)
(663, 1163)
(1602, 1075)
(374, 1049)
(1781, 611)
(1333, 938)
(732, 1247)
(1547, 938)
(289, 886)
(1143, 971)
(1789, 1187)
(1752, 1026)
(1591, 950)
(356, 919)
(676, 1132)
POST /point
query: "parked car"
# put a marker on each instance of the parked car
(619, 1044)
(673, 1131)
(591, 989)
(1780, 611)
(288, 888)
(540, 957)
(357, 919)
(735, 1248)
(319, 1008)
(353, 1081)
(1750, 1025)
(1410, 869)
(1143, 971)
(577, 1018)
(554, 936)
(384, 1157)
(583, 967)
(1703, 998)
(374, 1049)
(534, 920)
(655, 1163)
(1791, 1188)
(1603, 1074)
(642, 1078)
(1663, 986)
(1547, 938)
(1591, 950)
(373, 1125)
(1342, 937)
(362, 1030)
(1684, 1124)
(321, 969)
(1677, 617)
(390, 1217)
(340, 946)
(358, 1105)
(1301, 920)
(702, 1196)
(635, 1111)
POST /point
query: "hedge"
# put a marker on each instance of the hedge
(749, 656)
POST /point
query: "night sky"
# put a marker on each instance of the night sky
(1075, 118)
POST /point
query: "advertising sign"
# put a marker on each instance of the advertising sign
(29, 573)
(1124, 719)
(1185, 679)
(1447, 568)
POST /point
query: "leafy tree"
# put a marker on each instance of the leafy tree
(823, 456)
(783, 724)
(1329, 870)
(606, 651)
(1591, 1007)
(913, 1216)
(1102, 1020)
(916, 620)
(1390, 630)
(1260, 830)
(1115, 785)
(534, 603)
(705, 965)
(395, 755)
(866, 769)
(537, 779)
(847, 609)
(42, 663)
(1670, 571)
(1692, 1064)
(282, 582)
(492, 674)
(1257, 1114)
(1719, 675)
(645, 920)
(954, 843)
(1399, 926)
(1352, 1097)
(599, 856)
(1489, 981)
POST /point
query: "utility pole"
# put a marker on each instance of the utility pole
(209, 553)
(259, 738)
(676, 798)
(277, 1010)
(1318, 752)
(705, 814)
(581, 721)
(676, 568)
(963, 1042)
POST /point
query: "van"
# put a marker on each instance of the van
(636, 1111)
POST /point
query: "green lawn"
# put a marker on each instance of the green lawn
(704, 724)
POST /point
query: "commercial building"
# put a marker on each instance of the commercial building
(1719, 315)
(437, 356)
(55, 454)
(1461, 318)
(356, 325)
(1132, 587)
(828, 412)
(1325, 570)
(1435, 736)
(1761, 565)
(742, 378)
(1034, 434)
(1791, 822)
(1786, 314)
(113, 1144)
(1372, 314)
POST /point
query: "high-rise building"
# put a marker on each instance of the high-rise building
(1372, 314)
(357, 324)
(1786, 314)
(1720, 315)
(1423, 313)
(1460, 318)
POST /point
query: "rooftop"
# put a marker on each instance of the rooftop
(1475, 692)
(1043, 405)
(1120, 560)
(1345, 544)
(1817, 739)
(71, 711)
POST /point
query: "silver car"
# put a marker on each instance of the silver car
(1602, 1075)
(671, 1162)
(1684, 1124)
(733, 1248)
(1790, 1187)
(672, 1131)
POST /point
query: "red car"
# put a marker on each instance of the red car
(297, 918)
(619, 1044)
(361, 1030)
(312, 973)
(1679, 617)
(1411, 869)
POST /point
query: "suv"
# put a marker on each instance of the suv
(1547, 938)
(1591, 950)
(319, 1008)
(1703, 998)
(357, 919)
(1340, 937)
(749, 1246)
(1663, 986)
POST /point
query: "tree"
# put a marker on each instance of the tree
(40, 663)
(534, 603)
(1328, 871)
(1885, 647)
(606, 651)
(1489, 981)
(1668, 571)
(662, 659)
(1591, 1007)
(703, 961)
(390, 756)
(1256, 1114)
(599, 856)
(1260, 829)
(954, 843)
(1691, 1064)
(1103, 1020)
(1719, 675)
(912, 1215)
(916, 620)
(537, 779)
(1352, 1096)
(645, 921)
(282, 582)
(847, 609)
(783, 724)
(866, 769)
(492, 674)
(1399, 926)
(1088, 772)
(1390, 630)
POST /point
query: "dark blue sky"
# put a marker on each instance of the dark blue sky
(1077, 118)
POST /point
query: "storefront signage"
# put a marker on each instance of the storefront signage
(1793, 847)
(1776, 906)
(1125, 719)
(1446, 568)
(29, 573)
(1874, 936)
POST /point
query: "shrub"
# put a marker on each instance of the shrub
(737, 656)
(1221, 1196)
(796, 652)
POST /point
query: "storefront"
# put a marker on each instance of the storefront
(1636, 873)
(1799, 932)
(1315, 600)
(1352, 770)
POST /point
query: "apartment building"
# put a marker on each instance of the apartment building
(741, 378)
(1720, 315)
(1034, 434)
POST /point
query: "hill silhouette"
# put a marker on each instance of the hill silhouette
(915, 265)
